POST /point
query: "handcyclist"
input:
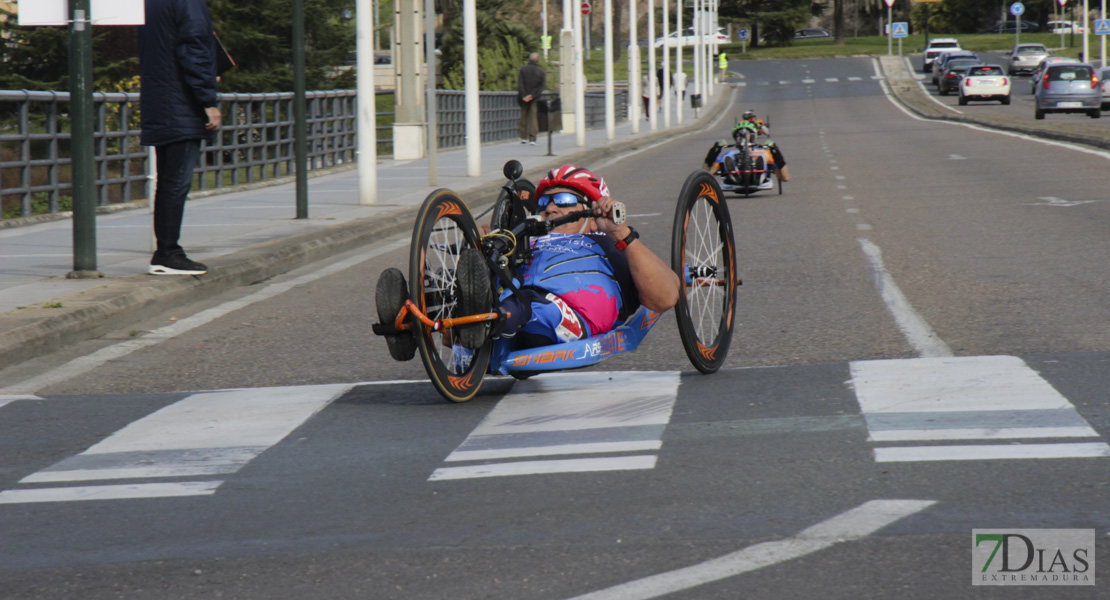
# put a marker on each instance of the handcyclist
(582, 278)
(749, 126)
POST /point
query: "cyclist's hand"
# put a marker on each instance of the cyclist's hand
(603, 212)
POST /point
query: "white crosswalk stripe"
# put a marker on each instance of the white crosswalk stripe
(205, 434)
(967, 398)
(570, 413)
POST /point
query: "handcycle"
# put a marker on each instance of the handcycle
(746, 166)
(426, 316)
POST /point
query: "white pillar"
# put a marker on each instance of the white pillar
(678, 53)
(653, 112)
(666, 65)
(1102, 38)
(470, 82)
(579, 83)
(610, 108)
(698, 54)
(634, 99)
(543, 40)
(1086, 33)
(367, 105)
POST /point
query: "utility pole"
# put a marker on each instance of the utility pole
(81, 141)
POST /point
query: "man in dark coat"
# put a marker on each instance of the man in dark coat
(530, 83)
(177, 55)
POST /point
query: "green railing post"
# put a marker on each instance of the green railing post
(81, 140)
(300, 129)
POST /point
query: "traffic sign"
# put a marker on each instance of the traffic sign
(585, 9)
(889, 3)
(901, 30)
(743, 33)
(1102, 26)
(1062, 3)
(1017, 9)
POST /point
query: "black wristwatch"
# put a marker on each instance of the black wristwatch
(633, 235)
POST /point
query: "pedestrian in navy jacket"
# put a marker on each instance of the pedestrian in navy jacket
(177, 55)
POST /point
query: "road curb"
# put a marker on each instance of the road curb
(35, 331)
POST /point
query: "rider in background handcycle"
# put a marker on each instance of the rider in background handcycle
(583, 277)
(750, 126)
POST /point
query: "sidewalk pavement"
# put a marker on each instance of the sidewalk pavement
(249, 235)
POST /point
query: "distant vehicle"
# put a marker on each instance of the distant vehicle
(1068, 87)
(1041, 66)
(1024, 58)
(689, 39)
(985, 82)
(1104, 83)
(1011, 27)
(954, 70)
(946, 56)
(935, 47)
(811, 33)
(1065, 27)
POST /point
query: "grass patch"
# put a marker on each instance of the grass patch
(877, 46)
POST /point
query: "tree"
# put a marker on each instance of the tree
(258, 34)
(503, 43)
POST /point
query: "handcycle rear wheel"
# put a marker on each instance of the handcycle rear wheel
(444, 228)
(703, 254)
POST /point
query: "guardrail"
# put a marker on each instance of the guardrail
(255, 143)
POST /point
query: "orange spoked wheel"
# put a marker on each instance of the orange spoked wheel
(703, 254)
(444, 229)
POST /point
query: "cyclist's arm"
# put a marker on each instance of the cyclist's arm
(656, 283)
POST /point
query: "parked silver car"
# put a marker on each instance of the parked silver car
(1025, 57)
(1068, 88)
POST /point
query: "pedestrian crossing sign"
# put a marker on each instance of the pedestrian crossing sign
(900, 30)
(1102, 26)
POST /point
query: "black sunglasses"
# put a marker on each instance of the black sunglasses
(561, 199)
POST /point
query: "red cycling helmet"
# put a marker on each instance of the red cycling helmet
(580, 180)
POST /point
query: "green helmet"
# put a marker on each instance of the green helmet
(744, 125)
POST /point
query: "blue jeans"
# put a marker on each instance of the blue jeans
(175, 163)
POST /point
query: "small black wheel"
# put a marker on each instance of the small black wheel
(703, 255)
(1095, 113)
(1038, 114)
(507, 216)
(444, 228)
(779, 178)
(389, 297)
(963, 100)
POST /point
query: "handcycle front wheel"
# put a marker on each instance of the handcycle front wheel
(505, 215)
(444, 228)
(703, 255)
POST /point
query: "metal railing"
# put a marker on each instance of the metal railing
(254, 144)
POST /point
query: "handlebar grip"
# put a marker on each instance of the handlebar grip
(620, 214)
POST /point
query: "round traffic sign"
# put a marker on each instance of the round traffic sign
(585, 8)
(743, 33)
(1017, 9)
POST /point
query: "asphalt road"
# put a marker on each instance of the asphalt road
(921, 351)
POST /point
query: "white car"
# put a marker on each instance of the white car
(1065, 27)
(689, 39)
(985, 82)
(935, 47)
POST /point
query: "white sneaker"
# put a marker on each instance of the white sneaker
(533, 142)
